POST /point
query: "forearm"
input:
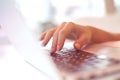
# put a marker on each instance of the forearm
(103, 36)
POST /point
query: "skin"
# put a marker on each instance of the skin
(82, 35)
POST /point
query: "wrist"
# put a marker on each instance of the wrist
(117, 36)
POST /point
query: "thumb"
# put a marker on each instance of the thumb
(81, 42)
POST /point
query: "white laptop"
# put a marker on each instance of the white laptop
(14, 24)
(74, 65)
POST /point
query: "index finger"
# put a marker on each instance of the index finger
(55, 37)
(63, 34)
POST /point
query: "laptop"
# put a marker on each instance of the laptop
(18, 33)
(67, 64)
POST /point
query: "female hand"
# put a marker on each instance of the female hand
(81, 34)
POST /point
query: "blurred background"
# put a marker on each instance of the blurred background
(44, 14)
(41, 15)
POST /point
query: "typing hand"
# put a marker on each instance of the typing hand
(81, 35)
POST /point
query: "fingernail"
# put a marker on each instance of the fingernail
(43, 44)
(51, 51)
(58, 48)
(40, 38)
(77, 45)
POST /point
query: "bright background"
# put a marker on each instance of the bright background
(44, 14)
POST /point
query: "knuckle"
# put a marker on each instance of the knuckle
(50, 30)
(62, 32)
(54, 36)
(63, 22)
(70, 23)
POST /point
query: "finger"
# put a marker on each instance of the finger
(81, 42)
(63, 34)
(55, 38)
(54, 44)
(47, 37)
(61, 40)
(42, 36)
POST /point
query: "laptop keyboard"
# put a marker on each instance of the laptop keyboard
(73, 61)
